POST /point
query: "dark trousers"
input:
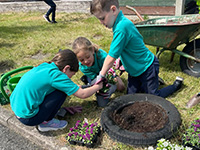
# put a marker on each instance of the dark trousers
(52, 9)
(47, 110)
(147, 82)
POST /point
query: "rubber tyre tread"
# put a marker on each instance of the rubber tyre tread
(135, 138)
(188, 49)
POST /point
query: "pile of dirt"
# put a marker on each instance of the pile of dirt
(140, 117)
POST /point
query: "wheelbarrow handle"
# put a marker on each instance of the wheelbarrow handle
(136, 12)
(9, 74)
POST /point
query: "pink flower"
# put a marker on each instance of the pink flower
(88, 136)
(91, 131)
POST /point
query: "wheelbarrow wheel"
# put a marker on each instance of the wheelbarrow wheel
(190, 66)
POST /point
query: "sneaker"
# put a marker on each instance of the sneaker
(178, 83)
(53, 21)
(52, 125)
(84, 79)
(47, 18)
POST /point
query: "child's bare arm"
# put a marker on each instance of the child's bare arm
(87, 92)
(108, 63)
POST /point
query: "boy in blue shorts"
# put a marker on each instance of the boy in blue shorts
(127, 44)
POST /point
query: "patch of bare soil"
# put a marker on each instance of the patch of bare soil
(141, 117)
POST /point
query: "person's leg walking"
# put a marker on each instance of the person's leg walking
(51, 10)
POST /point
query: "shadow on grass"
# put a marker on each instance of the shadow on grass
(7, 45)
(6, 65)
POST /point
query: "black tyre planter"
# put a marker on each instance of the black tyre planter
(142, 138)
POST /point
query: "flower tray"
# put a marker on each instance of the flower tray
(89, 145)
(192, 135)
(84, 134)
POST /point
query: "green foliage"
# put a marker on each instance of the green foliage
(192, 135)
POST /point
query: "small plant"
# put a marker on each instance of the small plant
(111, 78)
(164, 144)
(192, 135)
(83, 132)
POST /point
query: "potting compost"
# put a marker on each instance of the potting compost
(141, 117)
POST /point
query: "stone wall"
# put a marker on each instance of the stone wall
(81, 6)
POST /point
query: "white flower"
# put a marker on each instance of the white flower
(165, 144)
(161, 140)
(178, 147)
(150, 148)
(188, 148)
(171, 145)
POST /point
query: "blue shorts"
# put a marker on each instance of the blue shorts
(147, 82)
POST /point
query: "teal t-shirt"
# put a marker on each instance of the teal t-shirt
(94, 70)
(35, 85)
(128, 44)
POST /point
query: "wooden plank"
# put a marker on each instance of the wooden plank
(147, 2)
(150, 10)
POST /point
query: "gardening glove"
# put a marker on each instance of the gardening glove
(118, 65)
(73, 109)
(98, 79)
(84, 79)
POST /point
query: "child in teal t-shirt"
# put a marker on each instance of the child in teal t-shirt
(91, 60)
(41, 91)
(127, 44)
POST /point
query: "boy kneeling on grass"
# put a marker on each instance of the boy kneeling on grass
(128, 45)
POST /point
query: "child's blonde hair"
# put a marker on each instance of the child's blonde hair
(66, 57)
(97, 6)
(83, 44)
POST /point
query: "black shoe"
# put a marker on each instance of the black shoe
(54, 21)
(84, 79)
(47, 18)
(178, 83)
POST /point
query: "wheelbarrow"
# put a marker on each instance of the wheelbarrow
(168, 33)
(8, 82)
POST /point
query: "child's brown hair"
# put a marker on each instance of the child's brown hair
(66, 57)
(82, 43)
(97, 6)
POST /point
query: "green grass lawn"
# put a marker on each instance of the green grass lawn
(26, 39)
